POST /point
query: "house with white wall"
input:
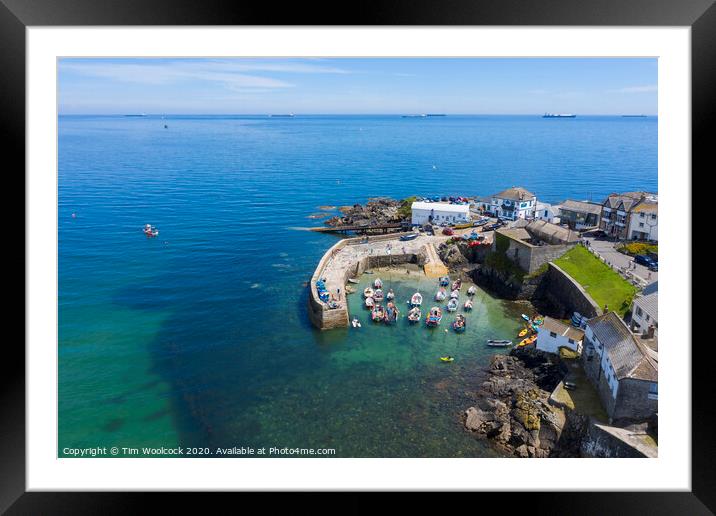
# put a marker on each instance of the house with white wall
(623, 369)
(554, 334)
(437, 213)
(644, 221)
(513, 203)
(547, 212)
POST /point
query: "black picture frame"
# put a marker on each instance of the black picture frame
(17, 15)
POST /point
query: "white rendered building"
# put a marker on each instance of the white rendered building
(437, 213)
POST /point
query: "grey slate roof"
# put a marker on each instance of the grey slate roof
(516, 193)
(629, 357)
(650, 304)
(581, 207)
(651, 288)
(552, 233)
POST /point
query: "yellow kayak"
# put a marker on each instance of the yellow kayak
(447, 359)
(528, 340)
(523, 333)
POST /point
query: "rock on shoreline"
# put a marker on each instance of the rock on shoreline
(513, 409)
(376, 211)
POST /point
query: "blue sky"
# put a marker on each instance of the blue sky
(358, 86)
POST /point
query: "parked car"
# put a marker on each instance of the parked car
(646, 261)
(448, 231)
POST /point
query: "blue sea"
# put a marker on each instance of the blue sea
(200, 337)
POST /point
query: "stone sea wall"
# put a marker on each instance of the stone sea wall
(318, 312)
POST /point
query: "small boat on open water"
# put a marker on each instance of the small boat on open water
(452, 305)
(355, 322)
(454, 294)
(444, 281)
(446, 359)
(440, 295)
(467, 305)
(368, 292)
(369, 302)
(378, 295)
(472, 290)
(417, 299)
(378, 283)
(150, 231)
(390, 295)
(457, 284)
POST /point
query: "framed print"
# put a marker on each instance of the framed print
(271, 251)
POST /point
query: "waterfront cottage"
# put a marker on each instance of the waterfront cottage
(580, 215)
(547, 212)
(622, 368)
(644, 221)
(618, 213)
(513, 203)
(436, 213)
(554, 334)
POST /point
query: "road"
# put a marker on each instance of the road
(606, 250)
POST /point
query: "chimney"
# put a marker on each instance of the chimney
(649, 333)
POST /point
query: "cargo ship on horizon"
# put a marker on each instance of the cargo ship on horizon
(559, 115)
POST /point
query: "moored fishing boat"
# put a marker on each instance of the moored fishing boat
(378, 283)
(472, 290)
(378, 313)
(414, 314)
(369, 302)
(526, 317)
(353, 280)
(457, 284)
(434, 317)
(499, 343)
(368, 292)
(440, 295)
(378, 295)
(416, 299)
(468, 305)
(444, 281)
(452, 305)
(390, 295)
(454, 294)
(459, 324)
(391, 313)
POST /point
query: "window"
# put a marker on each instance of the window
(653, 216)
(553, 335)
(571, 341)
(641, 215)
(647, 317)
(653, 391)
(639, 311)
(641, 224)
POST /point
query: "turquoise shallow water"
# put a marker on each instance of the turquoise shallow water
(200, 337)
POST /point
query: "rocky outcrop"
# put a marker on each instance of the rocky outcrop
(453, 254)
(513, 409)
(374, 212)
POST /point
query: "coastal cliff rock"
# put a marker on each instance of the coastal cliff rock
(453, 254)
(375, 211)
(513, 409)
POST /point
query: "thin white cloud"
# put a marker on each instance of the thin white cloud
(636, 89)
(171, 73)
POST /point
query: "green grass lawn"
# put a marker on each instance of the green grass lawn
(598, 279)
